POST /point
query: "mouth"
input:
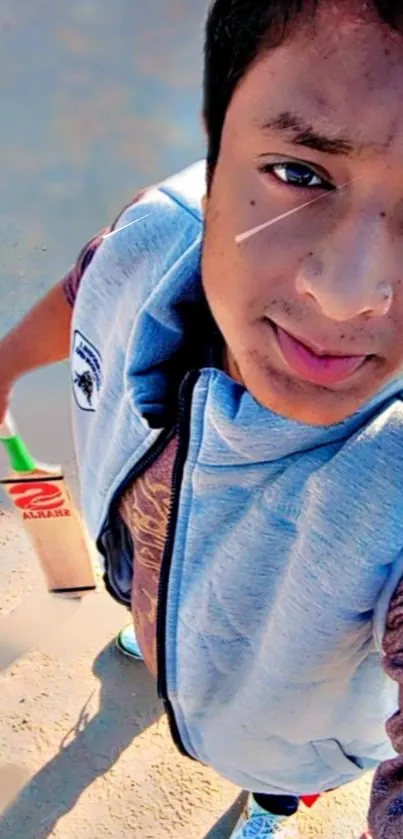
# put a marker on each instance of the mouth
(316, 366)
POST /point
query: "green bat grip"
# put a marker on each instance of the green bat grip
(18, 454)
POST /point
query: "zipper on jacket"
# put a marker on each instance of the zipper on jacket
(183, 434)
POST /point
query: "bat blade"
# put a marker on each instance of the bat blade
(43, 501)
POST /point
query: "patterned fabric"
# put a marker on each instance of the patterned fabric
(386, 809)
(145, 509)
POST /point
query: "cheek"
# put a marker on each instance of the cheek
(246, 277)
(266, 258)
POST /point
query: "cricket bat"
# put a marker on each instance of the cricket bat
(42, 499)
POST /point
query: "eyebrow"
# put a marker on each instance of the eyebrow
(301, 133)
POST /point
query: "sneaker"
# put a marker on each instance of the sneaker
(126, 643)
(257, 823)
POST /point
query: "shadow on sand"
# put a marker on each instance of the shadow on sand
(224, 827)
(96, 746)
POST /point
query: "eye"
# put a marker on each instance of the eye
(297, 174)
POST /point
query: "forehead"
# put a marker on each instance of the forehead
(343, 70)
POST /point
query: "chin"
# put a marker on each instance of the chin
(301, 401)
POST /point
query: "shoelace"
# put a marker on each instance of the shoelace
(266, 827)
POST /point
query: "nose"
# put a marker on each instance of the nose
(347, 276)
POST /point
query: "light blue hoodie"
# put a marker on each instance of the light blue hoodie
(285, 540)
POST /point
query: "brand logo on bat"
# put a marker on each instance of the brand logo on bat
(39, 500)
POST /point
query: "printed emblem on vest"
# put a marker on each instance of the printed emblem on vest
(87, 372)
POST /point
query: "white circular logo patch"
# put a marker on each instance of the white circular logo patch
(87, 372)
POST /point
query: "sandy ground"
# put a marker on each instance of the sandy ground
(83, 740)
(97, 99)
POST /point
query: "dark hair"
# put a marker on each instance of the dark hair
(237, 32)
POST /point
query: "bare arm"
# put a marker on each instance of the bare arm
(42, 337)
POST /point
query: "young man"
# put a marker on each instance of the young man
(237, 378)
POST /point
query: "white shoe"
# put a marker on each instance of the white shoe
(257, 823)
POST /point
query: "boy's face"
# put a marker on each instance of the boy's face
(311, 307)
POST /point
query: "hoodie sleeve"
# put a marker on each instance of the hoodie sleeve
(386, 806)
(72, 280)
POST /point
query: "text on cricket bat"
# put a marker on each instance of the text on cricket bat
(39, 500)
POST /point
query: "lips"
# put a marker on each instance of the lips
(320, 369)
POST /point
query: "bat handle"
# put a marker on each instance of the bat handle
(18, 454)
(7, 427)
